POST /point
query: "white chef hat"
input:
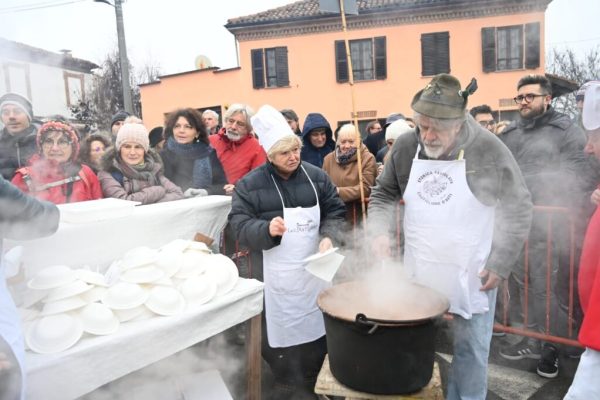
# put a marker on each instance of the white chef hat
(270, 126)
(591, 107)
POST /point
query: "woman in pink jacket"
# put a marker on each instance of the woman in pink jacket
(133, 171)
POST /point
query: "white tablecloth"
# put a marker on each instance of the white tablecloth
(97, 360)
(99, 243)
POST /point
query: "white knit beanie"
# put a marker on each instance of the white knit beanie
(136, 133)
(396, 129)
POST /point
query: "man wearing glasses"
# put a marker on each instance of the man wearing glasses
(483, 115)
(548, 147)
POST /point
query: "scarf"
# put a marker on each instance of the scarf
(344, 159)
(141, 176)
(200, 152)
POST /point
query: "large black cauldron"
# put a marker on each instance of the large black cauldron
(380, 338)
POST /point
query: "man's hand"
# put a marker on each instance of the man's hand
(276, 227)
(380, 246)
(228, 189)
(325, 245)
(595, 197)
(492, 280)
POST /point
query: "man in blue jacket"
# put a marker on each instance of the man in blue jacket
(317, 139)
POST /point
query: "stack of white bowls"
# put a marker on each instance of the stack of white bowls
(66, 303)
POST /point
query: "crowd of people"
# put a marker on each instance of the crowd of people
(468, 184)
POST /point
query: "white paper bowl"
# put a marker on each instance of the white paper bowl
(130, 314)
(146, 274)
(198, 289)
(94, 294)
(224, 272)
(94, 278)
(169, 261)
(52, 277)
(198, 246)
(54, 333)
(177, 245)
(64, 305)
(138, 256)
(144, 315)
(165, 300)
(98, 319)
(33, 296)
(192, 263)
(74, 288)
(124, 295)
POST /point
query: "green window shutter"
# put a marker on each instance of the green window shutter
(258, 68)
(532, 45)
(341, 63)
(435, 53)
(281, 66)
(488, 49)
(380, 58)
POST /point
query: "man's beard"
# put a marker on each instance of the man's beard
(433, 152)
(533, 112)
(233, 136)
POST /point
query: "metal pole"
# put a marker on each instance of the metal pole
(127, 101)
(354, 118)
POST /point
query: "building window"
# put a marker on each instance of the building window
(368, 59)
(511, 47)
(270, 67)
(435, 53)
(74, 88)
(16, 78)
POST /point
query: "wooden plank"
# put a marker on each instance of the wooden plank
(253, 344)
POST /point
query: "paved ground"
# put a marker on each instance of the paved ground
(508, 380)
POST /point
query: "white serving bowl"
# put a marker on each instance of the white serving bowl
(53, 333)
(98, 319)
(95, 278)
(74, 288)
(165, 300)
(169, 261)
(145, 274)
(94, 294)
(63, 305)
(124, 295)
(192, 263)
(130, 313)
(138, 256)
(198, 289)
(224, 272)
(52, 277)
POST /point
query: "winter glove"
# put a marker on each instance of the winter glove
(191, 192)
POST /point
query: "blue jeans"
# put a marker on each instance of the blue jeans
(468, 372)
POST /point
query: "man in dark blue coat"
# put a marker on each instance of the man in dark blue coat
(317, 139)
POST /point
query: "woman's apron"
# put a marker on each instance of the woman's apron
(291, 292)
(448, 233)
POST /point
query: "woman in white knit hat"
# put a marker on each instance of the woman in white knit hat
(133, 171)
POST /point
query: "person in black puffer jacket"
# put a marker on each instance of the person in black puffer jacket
(317, 139)
(285, 211)
(189, 160)
(17, 139)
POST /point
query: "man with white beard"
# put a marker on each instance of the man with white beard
(466, 211)
(237, 148)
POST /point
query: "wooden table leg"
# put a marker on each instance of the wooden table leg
(253, 368)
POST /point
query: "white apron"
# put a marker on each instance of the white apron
(10, 326)
(448, 233)
(290, 291)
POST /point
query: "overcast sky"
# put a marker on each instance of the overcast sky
(172, 33)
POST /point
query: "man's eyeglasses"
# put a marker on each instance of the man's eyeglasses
(528, 97)
(486, 124)
(60, 143)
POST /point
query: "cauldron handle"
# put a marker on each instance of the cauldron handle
(362, 320)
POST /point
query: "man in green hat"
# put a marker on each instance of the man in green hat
(466, 211)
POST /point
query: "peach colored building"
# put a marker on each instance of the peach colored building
(293, 57)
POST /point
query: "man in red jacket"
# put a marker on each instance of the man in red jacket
(585, 385)
(237, 148)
